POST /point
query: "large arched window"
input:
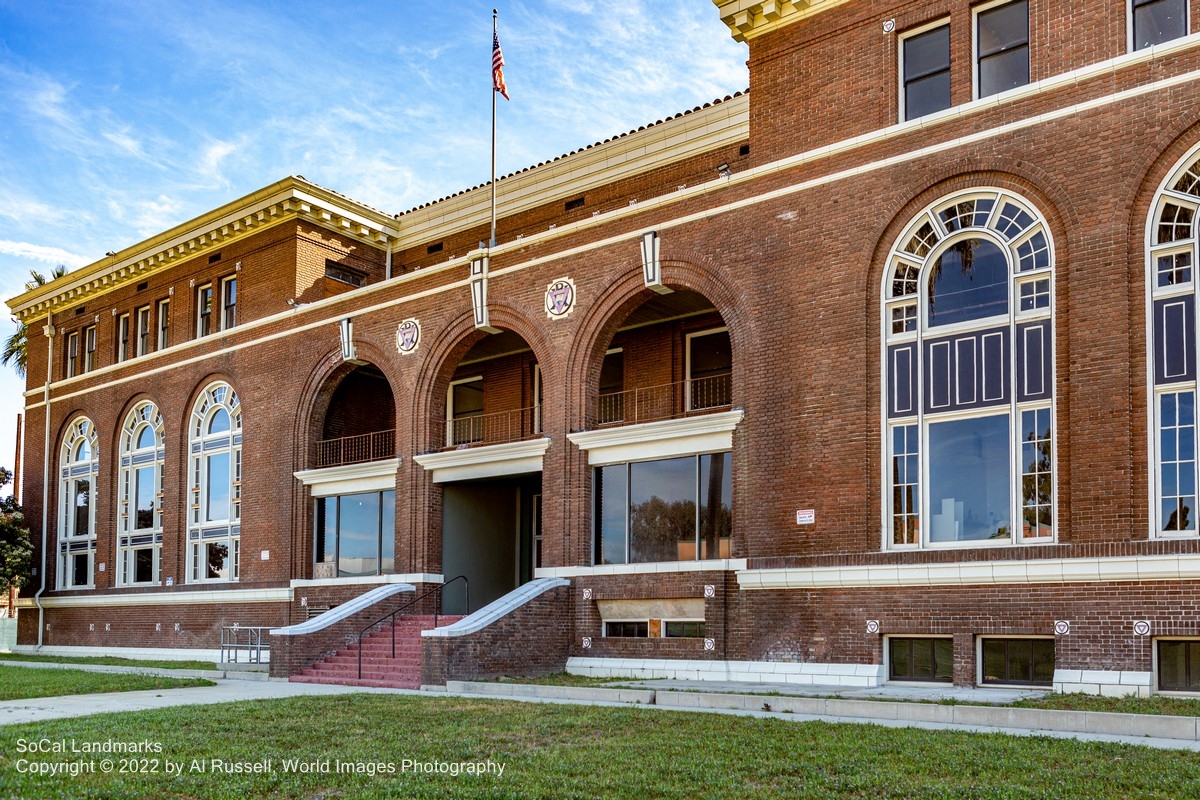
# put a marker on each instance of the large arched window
(215, 477)
(79, 467)
(968, 375)
(139, 512)
(1171, 318)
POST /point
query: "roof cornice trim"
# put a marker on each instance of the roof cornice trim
(749, 19)
(288, 200)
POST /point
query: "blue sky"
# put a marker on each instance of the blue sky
(121, 119)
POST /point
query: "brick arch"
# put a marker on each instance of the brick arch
(328, 371)
(453, 342)
(625, 294)
(1158, 158)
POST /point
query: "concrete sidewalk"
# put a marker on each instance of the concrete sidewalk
(1182, 733)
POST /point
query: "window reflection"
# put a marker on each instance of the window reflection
(967, 282)
(969, 479)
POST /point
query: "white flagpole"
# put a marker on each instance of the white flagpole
(492, 240)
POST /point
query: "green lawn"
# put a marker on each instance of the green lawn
(110, 661)
(18, 683)
(562, 751)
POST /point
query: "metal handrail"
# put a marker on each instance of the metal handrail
(373, 446)
(254, 647)
(436, 612)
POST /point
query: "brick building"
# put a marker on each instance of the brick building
(882, 370)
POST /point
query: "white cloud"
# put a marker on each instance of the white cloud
(42, 253)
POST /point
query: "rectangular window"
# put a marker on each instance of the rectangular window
(81, 519)
(145, 497)
(464, 418)
(164, 321)
(122, 338)
(709, 370)
(969, 484)
(925, 59)
(1036, 474)
(1177, 460)
(1179, 666)
(72, 355)
(1158, 21)
(1035, 294)
(228, 303)
(216, 479)
(1002, 41)
(143, 565)
(683, 630)
(1174, 269)
(89, 348)
(627, 630)
(913, 659)
(204, 304)
(143, 330)
(355, 535)
(906, 485)
(1018, 661)
(81, 573)
(674, 509)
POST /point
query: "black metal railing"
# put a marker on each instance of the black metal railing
(436, 613)
(374, 446)
(499, 427)
(665, 401)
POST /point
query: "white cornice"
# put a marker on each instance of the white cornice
(748, 19)
(705, 433)
(215, 597)
(488, 461)
(693, 133)
(652, 568)
(288, 200)
(370, 476)
(972, 573)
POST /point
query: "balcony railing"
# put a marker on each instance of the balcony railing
(666, 401)
(374, 446)
(496, 428)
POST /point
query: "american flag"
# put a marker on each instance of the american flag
(498, 66)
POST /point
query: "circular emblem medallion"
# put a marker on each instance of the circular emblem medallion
(408, 336)
(560, 298)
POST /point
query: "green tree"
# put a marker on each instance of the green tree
(16, 550)
(16, 347)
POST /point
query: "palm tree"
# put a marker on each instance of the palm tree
(15, 347)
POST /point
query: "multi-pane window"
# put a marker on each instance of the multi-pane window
(228, 303)
(925, 71)
(79, 467)
(1002, 42)
(164, 321)
(1157, 21)
(1017, 661)
(89, 348)
(673, 509)
(709, 370)
(627, 629)
(1171, 294)
(143, 330)
(72, 354)
(139, 513)
(215, 478)
(204, 309)
(920, 659)
(1179, 665)
(355, 535)
(691, 629)
(123, 338)
(968, 376)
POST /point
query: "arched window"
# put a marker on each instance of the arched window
(215, 477)
(1171, 318)
(968, 375)
(139, 514)
(79, 467)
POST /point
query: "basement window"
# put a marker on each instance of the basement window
(1179, 665)
(1025, 662)
(627, 630)
(920, 659)
(683, 630)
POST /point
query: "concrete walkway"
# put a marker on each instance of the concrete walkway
(820, 704)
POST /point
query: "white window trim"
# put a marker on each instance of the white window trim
(902, 39)
(1129, 32)
(226, 324)
(80, 428)
(212, 303)
(979, 640)
(73, 361)
(124, 326)
(887, 658)
(450, 406)
(89, 348)
(161, 332)
(135, 422)
(142, 344)
(687, 362)
(975, 50)
(202, 412)
(946, 239)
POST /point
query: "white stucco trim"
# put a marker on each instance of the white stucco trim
(367, 580)
(159, 653)
(790, 672)
(710, 565)
(229, 597)
(371, 476)
(1110, 683)
(705, 433)
(488, 461)
(1184, 567)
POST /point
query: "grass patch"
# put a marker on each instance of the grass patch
(552, 751)
(20, 683)
(563, 679)
(110, 661)
(1158, 704)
